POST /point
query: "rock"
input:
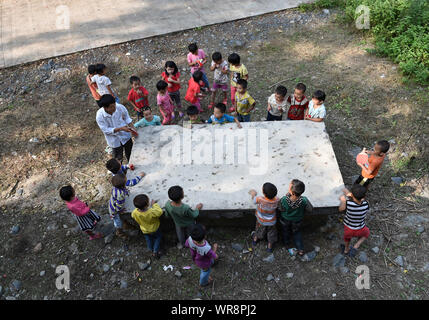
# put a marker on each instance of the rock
(105, 268)
(326, 11)
(289, 275)
(309, 256)
(109, 238)
(344, 270)
(115, 261)
(37, 248)
(317, 249)
(178, 274)
(376, 250)
(392, 141)
(10, 298)
(400, 236)
(423, 269)
(270, 258)
(16, 285)
(397, 180)
(20, 191)
(414, 220)
(400, 260)
(73, 248)
(339, 260)
(237, 44)
(237, 247)
(143, 266)
(52, 227)
(15, 230)
(124, 284)
(420, 229)
(363, 257)
(270, 277)
(42, 273)
(90, 296)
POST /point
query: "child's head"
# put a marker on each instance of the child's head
(217, 57)
(91, 69)
(299, 90)
(108, 103)
(100, 68)
(381, 147)
(296, 187)
(192, 112)
(113, 165)
(171, 68)
(141, 202)
(197, 76)
(198, 232)
(147, 113)
(318, 97)
(219, 110)
(241, 86)
(193, 48)
(67, 193)
(135, 82)
(281, 93)
(358, 192)
(175, 193)
(161, 86)
(269, 190)
(119, 180)
(234, 59)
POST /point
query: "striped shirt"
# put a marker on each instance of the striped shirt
(117, 197)
(266, 210)
(355, 214)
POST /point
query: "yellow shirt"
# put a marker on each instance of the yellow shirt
(244, 103)
(237, 73)
(149, 219)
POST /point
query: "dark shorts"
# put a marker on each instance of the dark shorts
(175, 96)
(350, 233)
(363, 181)
(266, 231)
(270, 117)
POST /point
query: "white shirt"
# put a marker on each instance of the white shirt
(108, 123)
(219, 77)
(102, 83)
(275, 105)
(320, 112)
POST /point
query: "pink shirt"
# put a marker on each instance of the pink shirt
(164, 102)
(193, 58)
(77, 207)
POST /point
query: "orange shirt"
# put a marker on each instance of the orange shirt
(93, 88)
(374, 165)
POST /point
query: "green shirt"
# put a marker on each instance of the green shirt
(183, 216)
(294, 214)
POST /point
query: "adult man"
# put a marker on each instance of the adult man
(113, 119)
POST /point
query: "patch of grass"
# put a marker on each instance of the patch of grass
(321, 4)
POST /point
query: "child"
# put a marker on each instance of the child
(148, 119)
(196, 60)
(85, 217)
(93, 86)
(277, 103)
(265, 215)
(220, 117)
(243, 101)
(220, 68)
(138, 96)
(193, 95)
(375, 161)
(238, 71)
(354, 222)
(117, 200)
(292, 208)
(182, 214)
(164, 102)
(148, 219)
(202, 253)
(103, 82)
(298, 103)
(115, 166)
(316, 109)
(171, 75)
(192, 118)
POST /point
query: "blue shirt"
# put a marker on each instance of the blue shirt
(156, 121)
(225, 118)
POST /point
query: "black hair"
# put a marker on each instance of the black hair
(106, 100)
(234, 59)
(243, 83)
(384, 145)
(221, 107)
(91, 69)
(99, 68)
(281, 90)
(269, 190)
(161, 85)
(175, 193)
(141, 201)
(113, 165)
(119, 180)
(146, 109)
(319, 95)
(66, 193)
(301, 87)
(192, 110)
(216, 56)
(198, 232)
(358, 191)
(198, 76)
(171, 64)
(298, 187)
(193, 47)
(134, 79)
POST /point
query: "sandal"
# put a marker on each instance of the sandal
(343, 248)
(252, 235)
(96, 236)
(208, 282)
(300, 253)
(352, 253)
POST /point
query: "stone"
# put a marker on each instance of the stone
(109, 238)
(143, 266)
(376, 250)
(363, 257)
(73, 248)
(289, 275)
(397, 180)
(16, 285)
(420, 229)
(115, 261)
(90, 296)
(339, 260)
(42, 273)
(414, 220)
(309, 256)
(20, 191)
(326, 11)
(124, 284)
(15, 230)
(105, 267)
(37, 248)
(425, 267)
(316, 249)
(400, 260)
(10, 298)
(237, 247)
(270, 277)
(178, 274)
(270, 258)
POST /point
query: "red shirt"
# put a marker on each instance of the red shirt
(174, 86)
(77, 207)
(297, 107)
(93, 87)
(138, 100)
(193, 89)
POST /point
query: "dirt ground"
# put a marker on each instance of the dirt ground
(49, 137)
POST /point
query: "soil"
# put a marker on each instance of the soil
(49, 138)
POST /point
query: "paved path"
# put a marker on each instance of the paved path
(31, 30)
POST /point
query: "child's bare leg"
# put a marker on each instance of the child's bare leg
(213, 97)
(346, 245)
(270, 245)
(359, 242)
